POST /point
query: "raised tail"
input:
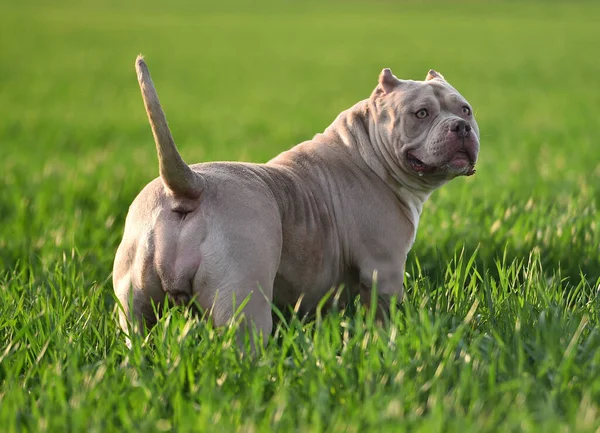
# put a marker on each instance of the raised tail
(175, 173)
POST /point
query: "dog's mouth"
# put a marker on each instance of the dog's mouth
(461, 162)
(416, 164)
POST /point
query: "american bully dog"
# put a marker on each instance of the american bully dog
(339, 209)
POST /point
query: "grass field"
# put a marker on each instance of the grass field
(499, 330)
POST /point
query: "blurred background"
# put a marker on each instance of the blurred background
(242, 80)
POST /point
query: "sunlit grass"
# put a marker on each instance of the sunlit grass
(499, 328)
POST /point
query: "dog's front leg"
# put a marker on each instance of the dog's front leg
(386, 284)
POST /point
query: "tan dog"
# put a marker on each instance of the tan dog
(333, 210)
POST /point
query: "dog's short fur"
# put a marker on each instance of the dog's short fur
(337, 209)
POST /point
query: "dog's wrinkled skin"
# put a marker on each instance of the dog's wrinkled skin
(333, 210)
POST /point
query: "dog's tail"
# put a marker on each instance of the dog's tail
(175, 173)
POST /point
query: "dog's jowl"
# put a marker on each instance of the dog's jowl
(337, 209)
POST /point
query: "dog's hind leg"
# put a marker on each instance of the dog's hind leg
(138, 310)
(239, 263)
(136, 284)
(255, 320)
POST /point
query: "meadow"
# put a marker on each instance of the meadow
(499, 329)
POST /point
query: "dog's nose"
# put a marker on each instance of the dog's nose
(460, 127)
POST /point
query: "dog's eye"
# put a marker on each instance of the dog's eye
(466, 111)
(422, 113)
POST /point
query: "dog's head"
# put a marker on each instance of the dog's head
(427, 127)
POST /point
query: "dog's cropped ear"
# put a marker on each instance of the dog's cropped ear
(387, 81)
(434, 74)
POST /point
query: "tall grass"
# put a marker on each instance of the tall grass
(499, 327)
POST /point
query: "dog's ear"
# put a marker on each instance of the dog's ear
(434, 74)
(387, 81)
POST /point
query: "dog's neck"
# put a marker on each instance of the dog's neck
(355, 130)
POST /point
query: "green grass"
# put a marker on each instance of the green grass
(500, 328)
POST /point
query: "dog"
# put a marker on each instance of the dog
(340, 209)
